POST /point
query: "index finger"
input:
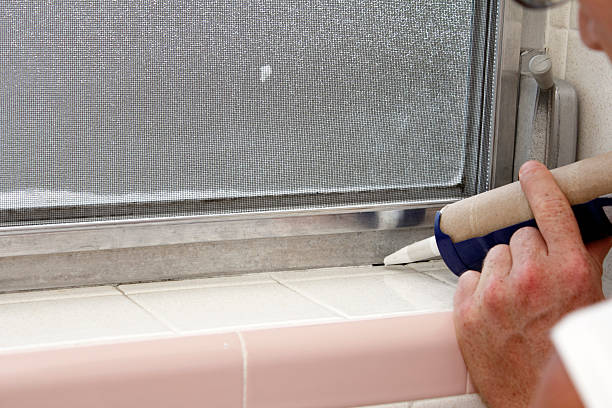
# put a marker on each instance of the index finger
(552, 211)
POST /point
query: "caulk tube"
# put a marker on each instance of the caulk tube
(467, 229)
(594, 219)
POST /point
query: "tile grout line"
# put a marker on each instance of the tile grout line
(270, 279)
(196, 287)
(314, 300)
(245, 366)
(150, 313)
(439, 279)
(340, 276)
(36, 300)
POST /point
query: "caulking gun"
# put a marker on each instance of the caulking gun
(467, 229)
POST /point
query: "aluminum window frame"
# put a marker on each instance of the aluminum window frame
(500, 70)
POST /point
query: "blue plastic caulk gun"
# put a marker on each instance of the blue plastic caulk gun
(467, 229)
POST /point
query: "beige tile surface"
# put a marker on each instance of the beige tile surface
(379, 294)
(575, 7)
(212, 308)
(534, 28)
(591, 73)
(556, 46)
(560, 16)
(74, 319)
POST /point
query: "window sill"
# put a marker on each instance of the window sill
(331, 337)
(88, 315)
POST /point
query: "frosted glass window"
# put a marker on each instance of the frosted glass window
(149, 108)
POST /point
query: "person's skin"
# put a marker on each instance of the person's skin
(556, 391)
(596, 24)
(503, 315)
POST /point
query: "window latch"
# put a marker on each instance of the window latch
(547, 122)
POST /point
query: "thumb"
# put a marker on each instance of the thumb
(466, 287)
(599, 249)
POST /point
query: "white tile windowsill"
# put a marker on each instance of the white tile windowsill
(55, 318)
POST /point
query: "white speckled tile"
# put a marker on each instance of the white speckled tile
(362, 296)
(560, 16)
(575, 9)
(74, 320)
(247, 279)
(556, 44)
(214, 308)
(591, 74)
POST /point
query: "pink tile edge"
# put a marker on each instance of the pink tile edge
(182, 371)
(342, 364)
(354, 363)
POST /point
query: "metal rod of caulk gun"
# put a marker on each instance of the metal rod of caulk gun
(506, 209)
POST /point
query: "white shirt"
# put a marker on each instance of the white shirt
(583, 340)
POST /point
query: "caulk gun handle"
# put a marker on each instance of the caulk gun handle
(592, 218)
(493, 210)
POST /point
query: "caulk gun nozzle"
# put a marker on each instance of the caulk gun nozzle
(419, 251)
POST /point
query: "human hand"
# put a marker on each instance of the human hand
(504, 314)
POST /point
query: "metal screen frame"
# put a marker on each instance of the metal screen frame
(389, 225)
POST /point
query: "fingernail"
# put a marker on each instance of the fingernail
(531, 165)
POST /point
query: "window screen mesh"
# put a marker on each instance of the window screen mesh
(123, 108)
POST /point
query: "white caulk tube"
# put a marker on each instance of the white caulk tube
(467, 229)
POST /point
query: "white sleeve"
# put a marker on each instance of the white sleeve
(583, 340)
